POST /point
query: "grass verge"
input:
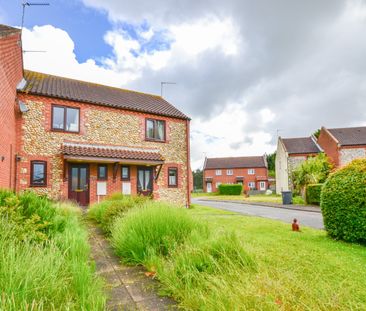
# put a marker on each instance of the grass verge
(260, 198)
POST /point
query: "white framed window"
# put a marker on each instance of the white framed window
(251, 185)
(218, 172)
(217, 184)
(262, 185)
(229, 172)
(251, 171)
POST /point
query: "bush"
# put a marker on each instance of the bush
(235, 189)
(343, 203)
(313, 192)
(153, 230)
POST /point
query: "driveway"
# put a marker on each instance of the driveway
(305, 218)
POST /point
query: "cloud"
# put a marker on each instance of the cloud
(244, 69)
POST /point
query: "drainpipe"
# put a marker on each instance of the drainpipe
(188, 163)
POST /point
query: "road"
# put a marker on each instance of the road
(310, 219)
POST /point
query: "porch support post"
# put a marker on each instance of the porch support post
(115, 169)
(157, 171)
(65, 169)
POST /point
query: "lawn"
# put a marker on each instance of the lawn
(295, 271)
(272, 198)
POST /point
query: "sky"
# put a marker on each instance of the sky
(245, 71)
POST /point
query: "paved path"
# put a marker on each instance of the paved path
(305, 218)
(128, 288)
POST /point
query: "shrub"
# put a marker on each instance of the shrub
(235, 189)
(312, 171)
(153, 230)
(313, 192)
(343, 203)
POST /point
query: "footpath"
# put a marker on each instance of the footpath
(128, 288)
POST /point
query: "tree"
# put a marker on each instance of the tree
(198, 179)
(271, 161)
(316, 133)
(314, 170)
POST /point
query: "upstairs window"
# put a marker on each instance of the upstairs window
(102, 172)
(229, 172)
(251, 171)
(155, 130)
(172, 177)
(218, 172)
(38, 173)
(65, 119)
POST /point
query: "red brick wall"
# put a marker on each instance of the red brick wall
(329, 145)
(224, 178)
(11, 72)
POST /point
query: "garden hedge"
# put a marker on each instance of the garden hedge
(313, 192)
(343, 203)
(227, 189)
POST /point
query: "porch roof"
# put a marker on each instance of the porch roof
(110, 153)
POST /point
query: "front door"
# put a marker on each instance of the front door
(79, 183)
(209, 187)
(145, 180)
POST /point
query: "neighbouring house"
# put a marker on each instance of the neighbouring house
(342, 145)
(81, 141)
(291, 152)
(251, 172)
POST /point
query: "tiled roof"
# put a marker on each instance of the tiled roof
(300, 145)
(7, 30)
(110, 152)
(350, 136)
(234, 162)
(64, 88)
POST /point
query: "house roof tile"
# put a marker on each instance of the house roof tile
(235, 162)
(300, 145)
(350, 136)
(111, 152)
(7, 30)
(70, 89)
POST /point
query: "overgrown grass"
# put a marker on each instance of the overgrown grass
(190, 262)
(294, 270)
(209, 259)
(156, 229)
(44, 269)
(117, 204)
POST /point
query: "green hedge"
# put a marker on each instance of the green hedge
(343, 203)
(313, 192)
(226, 189)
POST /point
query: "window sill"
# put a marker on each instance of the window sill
(38, 186)
(63, 131)
(155, 140)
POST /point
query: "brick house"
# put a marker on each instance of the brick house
(291, 152)
(251, 172)
(342, 145)
(81, 141)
